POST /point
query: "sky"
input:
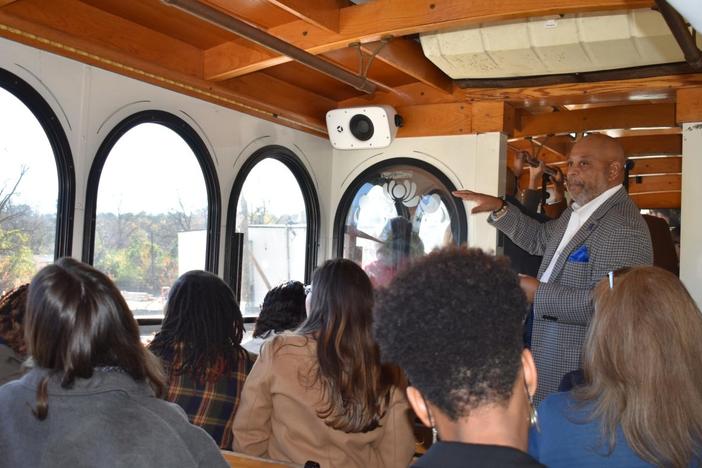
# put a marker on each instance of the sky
(149, 169)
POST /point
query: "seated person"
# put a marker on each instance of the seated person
(321, 393)
(12, 347)
(641, 403)
(90, 399)
(453, 322)
(283, 309)
(400, 245)
(199, 346)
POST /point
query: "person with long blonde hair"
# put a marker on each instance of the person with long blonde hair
(321, 392)
(641, 402)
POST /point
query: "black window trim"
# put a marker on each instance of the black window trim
(202, 154)
(347, 198)
(312, 210)
(65, 171)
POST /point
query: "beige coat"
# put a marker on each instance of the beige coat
(277, 416)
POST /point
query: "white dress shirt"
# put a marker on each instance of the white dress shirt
(578, 217)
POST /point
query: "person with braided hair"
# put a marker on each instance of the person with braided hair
(12, 346)
(200, 346)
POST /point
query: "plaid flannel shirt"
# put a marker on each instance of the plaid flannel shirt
(210, 404)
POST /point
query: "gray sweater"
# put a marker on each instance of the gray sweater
(108, 420)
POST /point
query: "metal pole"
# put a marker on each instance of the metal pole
(679, 28)
(264, 39)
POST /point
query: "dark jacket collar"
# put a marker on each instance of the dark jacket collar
(459, 455)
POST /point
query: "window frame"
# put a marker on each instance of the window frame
(233, 254)
(204, 159)
(349, 194)
(65, 170)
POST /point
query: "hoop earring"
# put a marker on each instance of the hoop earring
(434, 430)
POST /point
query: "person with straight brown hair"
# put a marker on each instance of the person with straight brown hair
(641, 402)
(90, 399)
(321, 393)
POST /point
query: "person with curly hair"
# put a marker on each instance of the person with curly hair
(453, 322)
(199, 345)
(13, 349)
(283, 309)
(321, 393)
(641, 401)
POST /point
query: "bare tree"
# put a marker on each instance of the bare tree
(6, 195)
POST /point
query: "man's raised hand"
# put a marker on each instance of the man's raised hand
(483, 202)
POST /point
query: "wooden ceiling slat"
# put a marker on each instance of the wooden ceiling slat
(655, 183)
(662, 165)
(657, 200)
(651, 144)
(371, 21)
(407, 56)
(6, 2)
(260, 13)
(632, 116)
(322, 13)
(155, 15)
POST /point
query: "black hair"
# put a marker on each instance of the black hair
(202, 328)
(12, 308)
(453, 322)
(77, 320)
(283, 309)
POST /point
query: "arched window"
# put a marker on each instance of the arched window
(152, 208)
(36, 183)
(394, 211)
(272, 226)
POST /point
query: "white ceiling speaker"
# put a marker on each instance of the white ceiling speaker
(362, 127)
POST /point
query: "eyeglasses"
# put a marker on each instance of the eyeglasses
(614, 273)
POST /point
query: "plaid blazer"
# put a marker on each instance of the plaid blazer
(209, 403)
(615, 236)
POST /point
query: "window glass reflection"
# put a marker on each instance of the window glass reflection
(397, 214)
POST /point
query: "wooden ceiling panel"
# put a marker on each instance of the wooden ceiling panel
(80, 25)
(321, 13)
(261, 13)
(379, 71)
(299, 75)
(155, 15)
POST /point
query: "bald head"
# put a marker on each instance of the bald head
(595, 164)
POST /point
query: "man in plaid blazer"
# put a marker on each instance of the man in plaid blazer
(600, 232)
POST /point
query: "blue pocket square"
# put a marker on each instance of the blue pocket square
(581, 255)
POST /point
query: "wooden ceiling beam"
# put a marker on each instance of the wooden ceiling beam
(689, 103)
(6, 2)
(373, 20)
(599, 118)
(407, 56)
(321, 13)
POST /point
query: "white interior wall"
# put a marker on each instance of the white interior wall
(89, 102)
(473, 162)
(690, 214)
